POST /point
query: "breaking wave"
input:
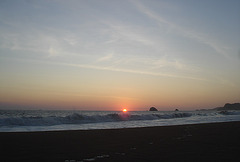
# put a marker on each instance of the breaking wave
(77, 118)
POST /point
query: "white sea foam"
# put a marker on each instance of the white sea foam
(68, 120)
(77, 118)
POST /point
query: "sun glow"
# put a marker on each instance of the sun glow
(124, 110)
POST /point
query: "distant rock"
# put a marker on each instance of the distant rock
(153, 109)
(235, 106)
(176, 110)
(228, 106)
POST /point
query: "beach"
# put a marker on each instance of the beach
(193, 142)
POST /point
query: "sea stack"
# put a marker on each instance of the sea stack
(153, 109)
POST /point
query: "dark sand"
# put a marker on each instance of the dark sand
(198, 142)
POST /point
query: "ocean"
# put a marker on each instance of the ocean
(53, 120)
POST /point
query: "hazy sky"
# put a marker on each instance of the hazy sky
(110, 54)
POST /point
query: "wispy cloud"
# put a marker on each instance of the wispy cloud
(147, 71)
(53, 52)
(163, 62)
(126, 33)
(189, 33)
(105, 58)
(41, 42)
(128, 71)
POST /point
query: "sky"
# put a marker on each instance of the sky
(111, 54)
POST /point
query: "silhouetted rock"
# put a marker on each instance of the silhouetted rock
(153, 109)
(235, 106)
(228, 106)
(176, 110)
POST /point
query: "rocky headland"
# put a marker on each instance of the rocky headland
(228, 106)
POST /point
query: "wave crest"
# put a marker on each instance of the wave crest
(77, 118)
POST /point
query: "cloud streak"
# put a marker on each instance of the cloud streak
(197, 36)
(114, 69)
(126, 33)
(142, 72)
(107, 57)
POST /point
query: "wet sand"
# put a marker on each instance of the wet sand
(196, 142)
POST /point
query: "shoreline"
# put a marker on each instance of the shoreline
(111, 129)
(191, 142)
(93, 129)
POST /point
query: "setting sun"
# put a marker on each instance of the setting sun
(124, 110)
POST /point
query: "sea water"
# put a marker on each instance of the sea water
(52, 120)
